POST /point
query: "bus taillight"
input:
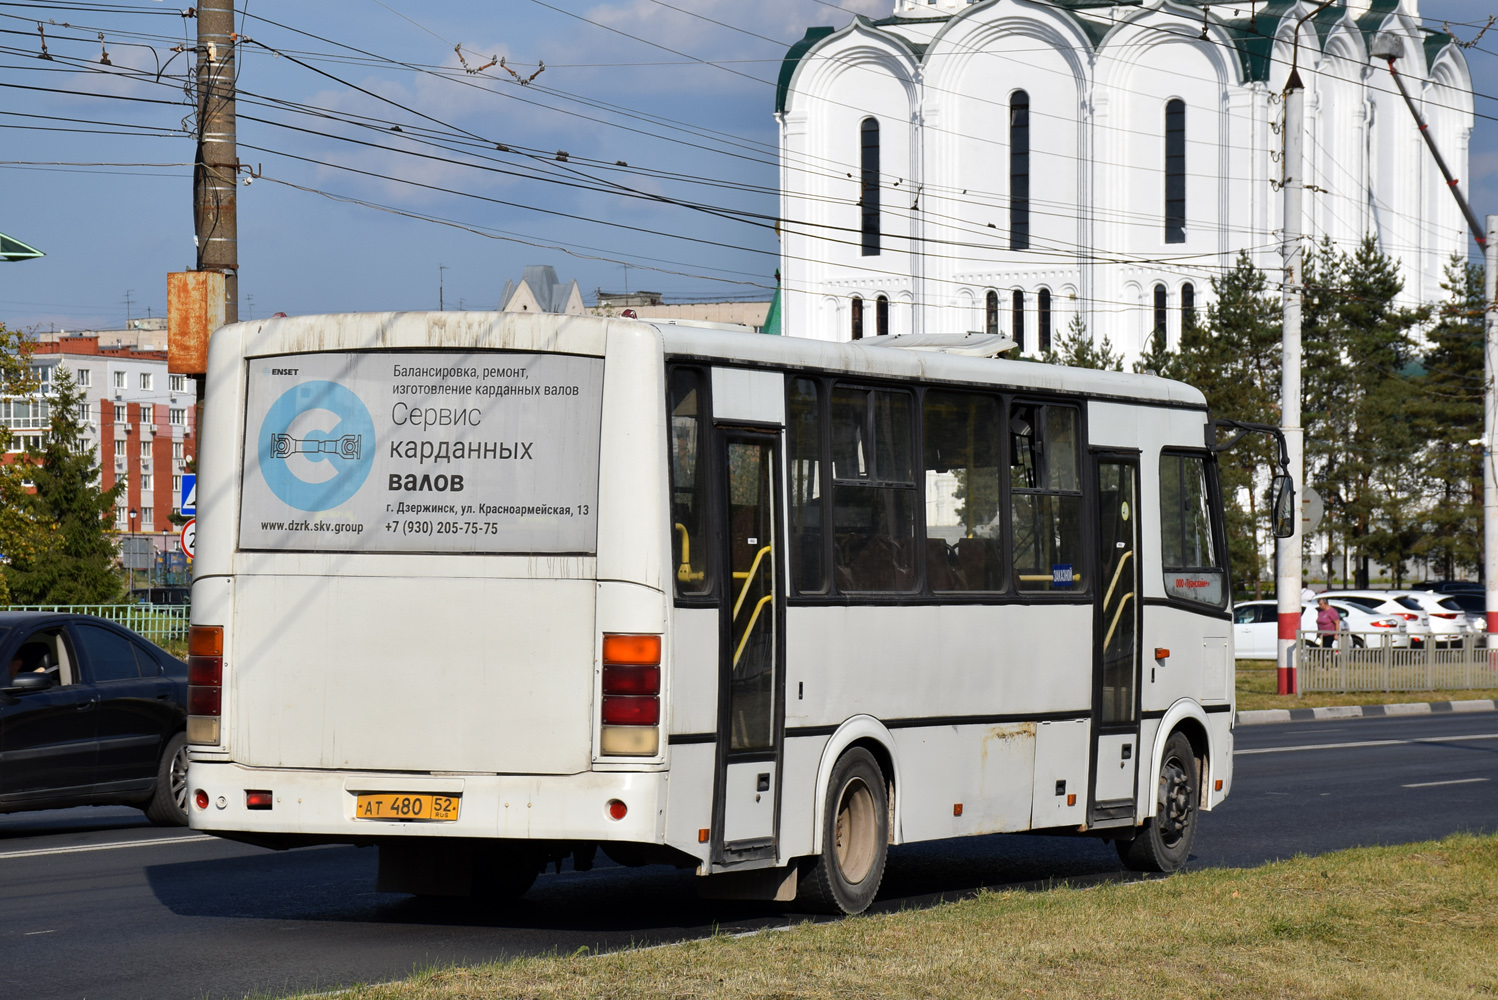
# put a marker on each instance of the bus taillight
(205, 680)
(631, 705)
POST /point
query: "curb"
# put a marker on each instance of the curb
(1364, 711)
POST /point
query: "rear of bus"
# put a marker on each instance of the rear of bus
(420, 537)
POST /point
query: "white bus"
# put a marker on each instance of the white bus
(491, 590)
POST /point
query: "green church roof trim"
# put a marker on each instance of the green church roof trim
(1254, 47)
(792, 58)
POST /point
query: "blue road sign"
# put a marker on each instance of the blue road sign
(189, 497)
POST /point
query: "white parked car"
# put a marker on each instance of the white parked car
(1391, 602)
(1256, 631)
(1448, 621)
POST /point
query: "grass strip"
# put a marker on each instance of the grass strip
(1415, 920)
(1256, 685)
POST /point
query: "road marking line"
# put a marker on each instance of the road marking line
(1368, 743)
(1454, 781)
(111, 846)
(35, 933)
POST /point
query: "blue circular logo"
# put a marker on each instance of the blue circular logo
(316, 445)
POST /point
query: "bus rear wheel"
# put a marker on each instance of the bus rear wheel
(1163, 843)
(845, 876)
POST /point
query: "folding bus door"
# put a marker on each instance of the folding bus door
(751, 719)
(1116, 654)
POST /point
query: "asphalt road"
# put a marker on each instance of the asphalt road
(96, 904)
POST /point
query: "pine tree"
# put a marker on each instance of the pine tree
(1360, 434)
(21, 534)
(1233, 356)
(78, 564)
(1447, 410)
(1079, 350)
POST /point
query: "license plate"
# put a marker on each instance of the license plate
(404, 806)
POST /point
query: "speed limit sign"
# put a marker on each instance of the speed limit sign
(190, 537)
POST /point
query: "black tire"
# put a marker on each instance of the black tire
(168, 803)
(1357, 642)
(845, 876)
(1163, 843)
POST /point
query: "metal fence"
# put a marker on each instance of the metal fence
(1368, 661)
(163, 624)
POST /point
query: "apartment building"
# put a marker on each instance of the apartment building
(140, 418)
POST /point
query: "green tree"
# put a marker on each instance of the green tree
(1447, 409)
(77, 566)
(21, 533)
(1361, 439)
(1233, 356)
(1080, 350)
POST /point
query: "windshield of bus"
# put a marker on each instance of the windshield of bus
(422, 452)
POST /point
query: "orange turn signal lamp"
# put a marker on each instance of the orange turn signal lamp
(1161, 653)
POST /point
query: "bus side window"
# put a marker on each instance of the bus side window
(1046, 498)
(690, 545)
(1192, 564)
(803, 430)
(963, 527)
(873, 493)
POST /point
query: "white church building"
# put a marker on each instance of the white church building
(1002, 166)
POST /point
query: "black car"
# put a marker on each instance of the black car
(1449, 587)
(90, 714)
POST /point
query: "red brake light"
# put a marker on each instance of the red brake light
(619, 678)
(201, 798)
(617, 809)
(258, 800)
(205, 670)
(1384, 623)
(204, 700)
(1443, 614)
(630, 710)
(1407, 616)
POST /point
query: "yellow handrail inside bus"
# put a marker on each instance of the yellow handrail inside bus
(748, 578)
(1123, 602)
(1116, 574)
(749, 630)
(684, 571)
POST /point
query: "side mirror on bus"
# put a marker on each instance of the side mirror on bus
(1282, 505)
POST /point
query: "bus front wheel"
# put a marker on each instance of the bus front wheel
(845, 877)
(1163, 843)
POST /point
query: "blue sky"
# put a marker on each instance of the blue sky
(681, 91)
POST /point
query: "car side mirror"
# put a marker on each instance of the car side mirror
(1282, 505)
(22, 683)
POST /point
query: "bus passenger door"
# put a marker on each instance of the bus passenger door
(751, 717)
(1116, 638)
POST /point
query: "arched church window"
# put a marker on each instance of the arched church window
(991, 313)
(1160, 307)
(868, 192)
(1019, 170)
(1188, 306)
(881, 316)
(1043, 319)
(857, 317)
(1175, 171)
(1018, 310)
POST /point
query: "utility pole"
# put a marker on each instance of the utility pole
(1287, 571)
(215, 216)
(441, 281)
(128, 293)
(1489, 430)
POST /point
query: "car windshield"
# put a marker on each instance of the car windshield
(1469, 602)
(1449, 604)
(1370, 603)
(1407, 602)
